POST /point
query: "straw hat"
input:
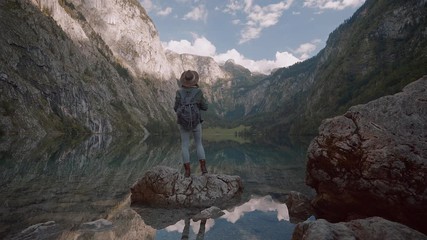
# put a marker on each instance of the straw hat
(189, 78)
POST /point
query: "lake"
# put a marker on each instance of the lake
(58, 188)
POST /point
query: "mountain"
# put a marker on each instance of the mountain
(376, 52)
(76, 66)
(209, 71)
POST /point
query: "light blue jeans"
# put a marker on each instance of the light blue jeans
(185, 142)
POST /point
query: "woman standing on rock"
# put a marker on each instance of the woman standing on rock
(189, 101)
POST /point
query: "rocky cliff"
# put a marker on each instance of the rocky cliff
(210, 72)
(77, 66)
(121, 28)
(372, 161)
(73, 66)
(376, 52)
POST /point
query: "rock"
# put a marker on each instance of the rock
(374, 228)
(372, 161)
(97, 225)
(299, 206)
(166, 187)
(45, 230)
(209, 70)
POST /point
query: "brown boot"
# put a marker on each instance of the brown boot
(203, 166)
(187, 169)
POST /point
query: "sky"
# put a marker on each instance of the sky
(259, 35)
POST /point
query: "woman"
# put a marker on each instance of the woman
(191, 92)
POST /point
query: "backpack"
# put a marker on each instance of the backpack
(188, 112)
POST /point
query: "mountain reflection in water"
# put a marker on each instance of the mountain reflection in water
(262, 207)
(70, 186)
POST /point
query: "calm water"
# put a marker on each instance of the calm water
(79, 189)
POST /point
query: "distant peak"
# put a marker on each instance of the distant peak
(230, 61)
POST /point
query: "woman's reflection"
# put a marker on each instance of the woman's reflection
(186, 231)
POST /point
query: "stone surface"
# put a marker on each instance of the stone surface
(45, 230)
(374, 228)
(299, 206)
(372, 161)
(209, 70)
(167, 187)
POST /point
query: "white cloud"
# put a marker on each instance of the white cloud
(151, 6)
(306, 49)
(257, 17)
(263, 204)
(203, 47)
(333, 4)
(165, 11)
(283, 59)
(197, 13)
(233, 7)
(147, 4)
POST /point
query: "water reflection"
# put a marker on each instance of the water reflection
(71, 181)
(67, 185)
(262, 206)
(186, 229)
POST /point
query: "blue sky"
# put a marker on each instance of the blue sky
(260, 35)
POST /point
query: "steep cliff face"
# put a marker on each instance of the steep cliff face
(228, 102)
(69, 66)
(123, 27)
(377, 52)
(374, 53)
(210, 72)
(98, 66)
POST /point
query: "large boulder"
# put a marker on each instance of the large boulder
(374, 228)
(167, 187)
(299, 207)
(372, 161)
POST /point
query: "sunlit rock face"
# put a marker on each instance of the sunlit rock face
(209, 71)
(122, 27)
(166, 187)
(370, 228)
(372, 161)
(81, 66)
